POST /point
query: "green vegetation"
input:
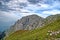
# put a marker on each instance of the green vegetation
(37, 34)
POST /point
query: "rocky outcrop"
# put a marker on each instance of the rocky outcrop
(28, 23)
(32, 22)
(52, 18)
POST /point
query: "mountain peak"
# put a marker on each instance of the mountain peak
(31, 22)
(28, 23)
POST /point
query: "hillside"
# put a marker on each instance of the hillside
(51, 31)
(27, 23)
(51, 18)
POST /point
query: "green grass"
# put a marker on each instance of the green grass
(37, 34)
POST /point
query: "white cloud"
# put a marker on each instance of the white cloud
(25, 14)
(52, 12)
(24, 10)
(8, 16)
(15, 3)
(22, 0)
(43, 6)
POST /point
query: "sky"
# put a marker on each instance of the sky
(12, 10)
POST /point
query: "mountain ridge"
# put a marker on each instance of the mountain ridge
(32, 22)
(48, 32)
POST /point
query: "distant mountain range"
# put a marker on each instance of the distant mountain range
(33, 22)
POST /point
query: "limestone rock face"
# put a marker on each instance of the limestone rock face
(28, 23)
(32, 22)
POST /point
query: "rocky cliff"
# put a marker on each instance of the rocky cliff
(32, 22)
(28, 23)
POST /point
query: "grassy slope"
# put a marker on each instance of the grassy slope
(37, 34)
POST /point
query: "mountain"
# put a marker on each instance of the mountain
(51, 18)
(50, 31)
(27, 23)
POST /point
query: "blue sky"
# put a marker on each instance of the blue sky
(12, 10)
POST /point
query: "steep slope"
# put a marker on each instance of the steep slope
(27, 23)
(31, 22)
(51, 18)
(39, 33)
